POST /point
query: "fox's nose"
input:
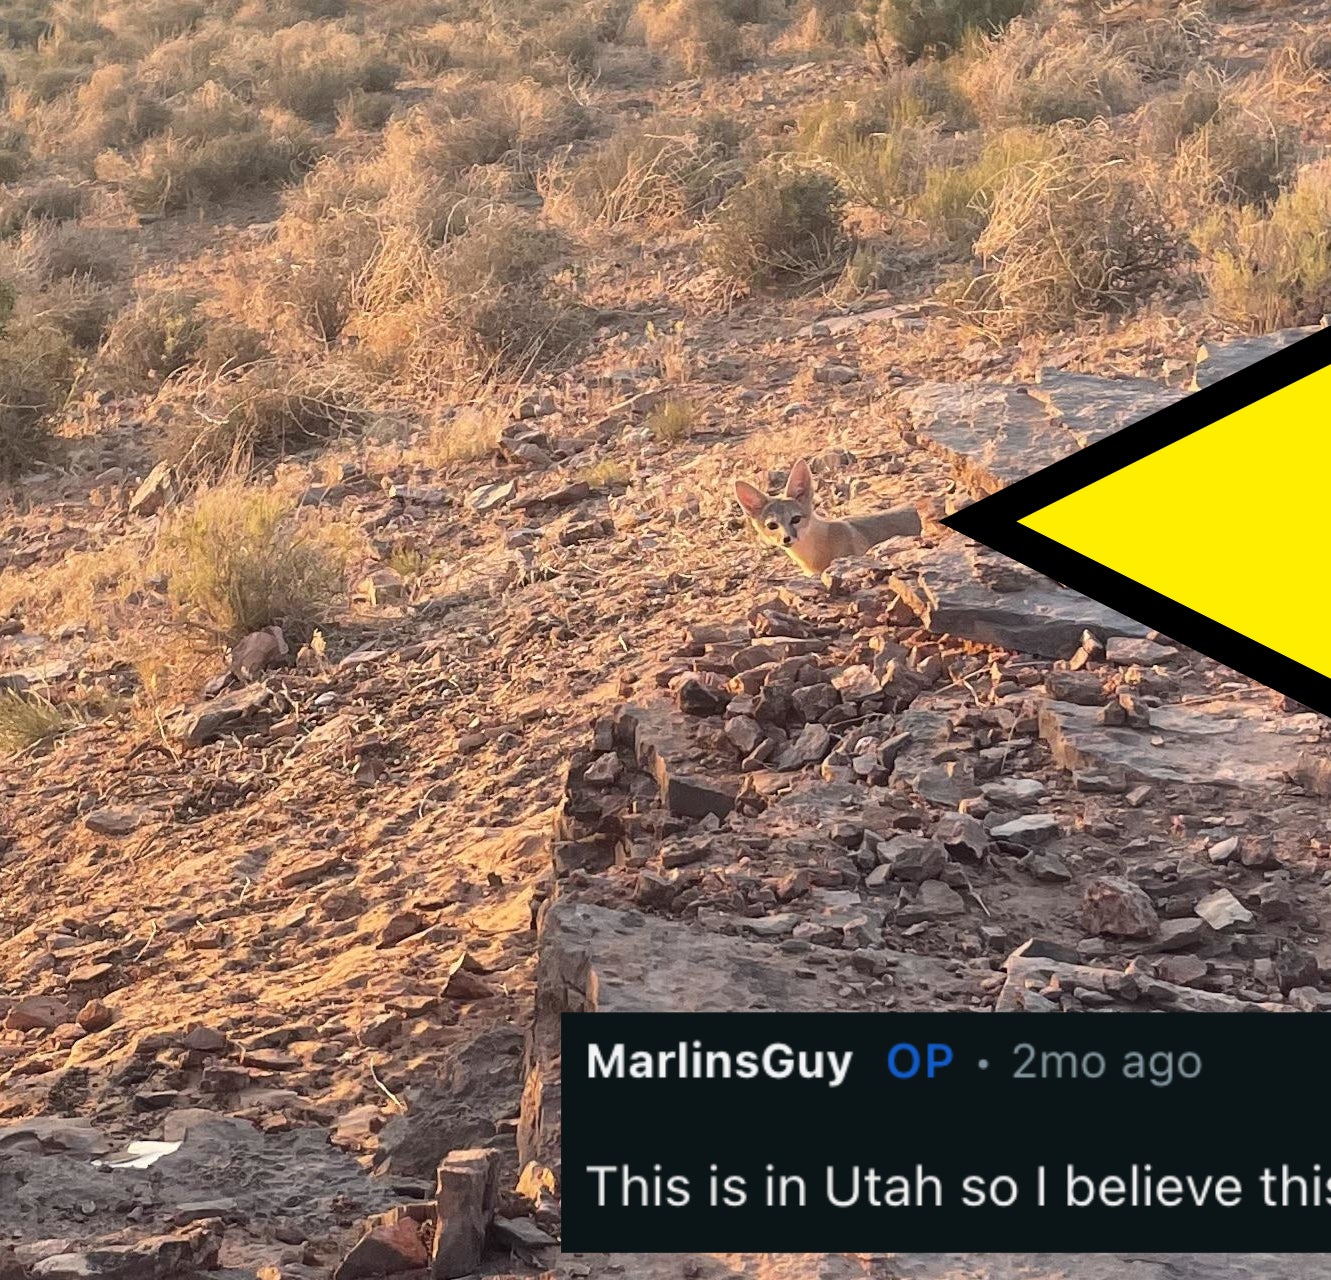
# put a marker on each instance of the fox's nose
(786, 540)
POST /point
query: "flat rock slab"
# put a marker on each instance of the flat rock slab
(960, 589)
(1222, 744)
(991, 434)
(219, 1156)
(1092, 408)
(664, 747)
(1217, 360)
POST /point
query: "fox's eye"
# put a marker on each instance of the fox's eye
(794, 520)
(771, 524)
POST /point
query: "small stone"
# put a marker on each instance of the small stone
(813, 743)
(38, 1013)
(1117, 907)
(490, 496)
(385, 1250)
(836, 375)
(111, 822)
(204, 1039)
(1030, 831)
(94, 1017)
(964, 838)
(1128, 651)
(1223, 850)
(152, 495)
(1013, 793)
(520, 1233)
(1182, 970)
(1295, 968)
(913, 859)
(698, 699)
(256, 652)
(1045, 868)
(1222, 910)
(937, 901)
(856, 683)
(604, 771)
(467, 1184)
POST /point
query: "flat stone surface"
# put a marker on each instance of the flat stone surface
(1221, 743)
(960, 589)
(1091, 408)
(991, 434)
(1217, 360)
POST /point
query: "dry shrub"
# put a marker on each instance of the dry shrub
(164, 332)
(214, 145)
(141, 25)
(653, 175)
(701, 35)
(36, 368)
(783, 223)
(113, 110)
(1036, 74)
(955, 200)
(1069, 237)
(310, 68)
(364, 110)
(15, 154)
(54, 199)
(672, 421)
(240, 558)
(28, 720)
(917, 27)
(232, 421)
(1242, 153)
(1166, 121)
(468, 435)
(876, 145)
(1269, 268)
(1162, 46)
(488, 302)
(42, 252)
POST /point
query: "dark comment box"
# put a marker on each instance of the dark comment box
(944, 1132)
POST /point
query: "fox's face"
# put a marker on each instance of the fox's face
(783, 520)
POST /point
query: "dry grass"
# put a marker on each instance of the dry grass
(27, 721)
(470, 434)
(239, 559)
(785, 223)
(214, 145)
(231, 421)
(1042, 74)
(51, 200)
(652, 176)
(1070, 237)
(918, 27)
(1266, 269)
(37, 365)
(1241, 153)
(166, 331)
(955, 200)
(700, 35)
(607, 474)
(490, 302)
(672, 422)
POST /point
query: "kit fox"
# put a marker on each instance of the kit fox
(788, 522)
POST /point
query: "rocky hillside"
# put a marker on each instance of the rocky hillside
(385, 667)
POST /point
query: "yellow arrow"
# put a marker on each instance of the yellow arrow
(1233, 521)
(1209, 520)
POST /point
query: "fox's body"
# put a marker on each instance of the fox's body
(789, 522)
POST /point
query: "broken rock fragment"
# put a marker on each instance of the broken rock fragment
(467, 1184)
(1117, 907)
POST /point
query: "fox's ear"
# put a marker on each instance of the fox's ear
(799, 488)
(750, 499)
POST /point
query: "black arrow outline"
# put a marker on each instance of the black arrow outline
(995, 521)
